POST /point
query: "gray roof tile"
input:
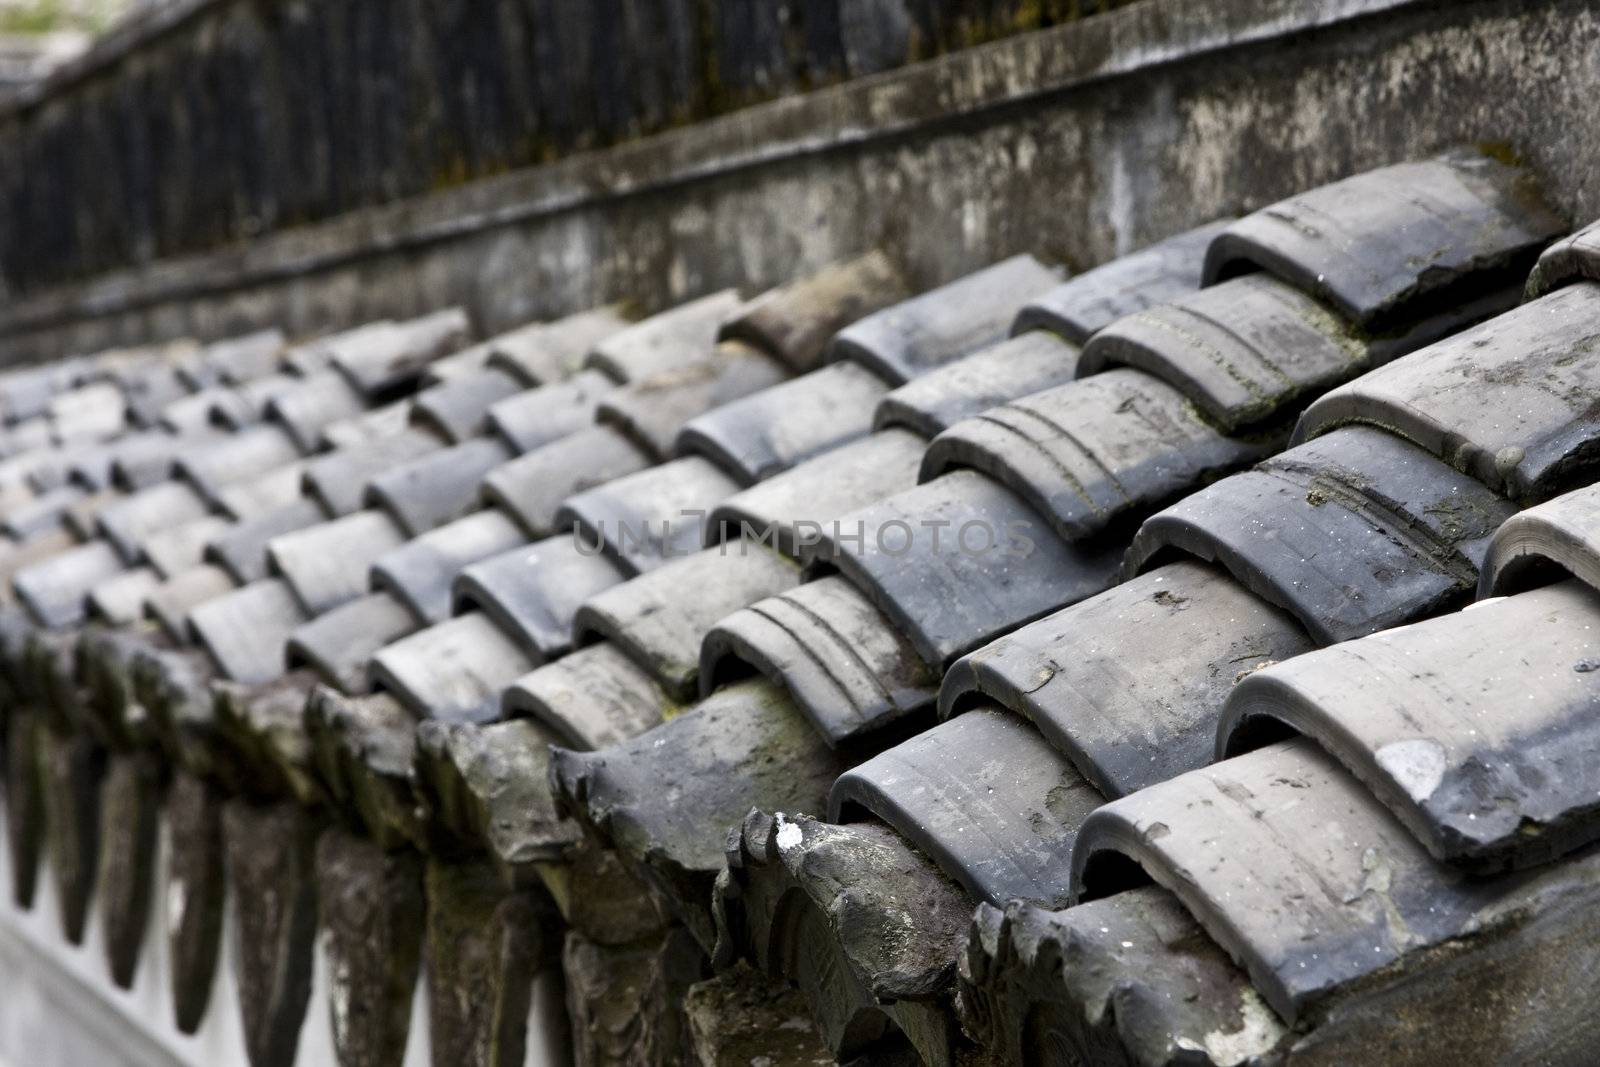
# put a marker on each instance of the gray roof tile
(1005, 370)
(594, 697)
(419, 572)
(245, 405)
(1573, 258)
(310, 356)
(1553, 538)
(242, 501)
(659, 617)
(842, 662)
(392, 357)
(438, 487)
(543, 353)
(241, 549)
(674, 808)
(91, 412)
(327, 564)
(263, 727)
(91, 468)
(364, 749)
(128, 522)
(959, 560)
(1243, 350)
(1398, 496)
(82, 516)
(147, 394)
(234, 458)
(927, 331)
(198, 411)
(177, 548)
(1530, 435)
(142, 461)
(641, 521)
(1080, 307)
(242, 359)
(1303, 921)
(15, 555)
(44, 512)
(453, 671)
(459, 408)
(244, 630)
(1151, 984)
(540, 416)
(1127, 684)
(339, 643)
(170, 602)
(1475, 729)
(533, 487)
(785, 425)
(464, 362)
(338, 479)
(534, 591)
(795, 322)
(304, 408)
(25, 394)
(663, 342)
(384, 421)
(1429, 230)
(1091, 455)
(1323, 503)
(985, 797)
(652, 410)
(793, 506)
(119, 599)
(55, 590)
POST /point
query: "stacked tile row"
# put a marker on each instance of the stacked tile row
(779, 633)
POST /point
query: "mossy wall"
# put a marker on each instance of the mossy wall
(251, 115)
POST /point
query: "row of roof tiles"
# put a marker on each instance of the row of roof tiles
(344, 575)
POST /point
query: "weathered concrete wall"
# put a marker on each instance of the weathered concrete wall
(225, 119)
(1074, 143)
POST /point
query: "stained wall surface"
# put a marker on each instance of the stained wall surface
(1075, 143)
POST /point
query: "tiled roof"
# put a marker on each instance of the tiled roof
(783, 633)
